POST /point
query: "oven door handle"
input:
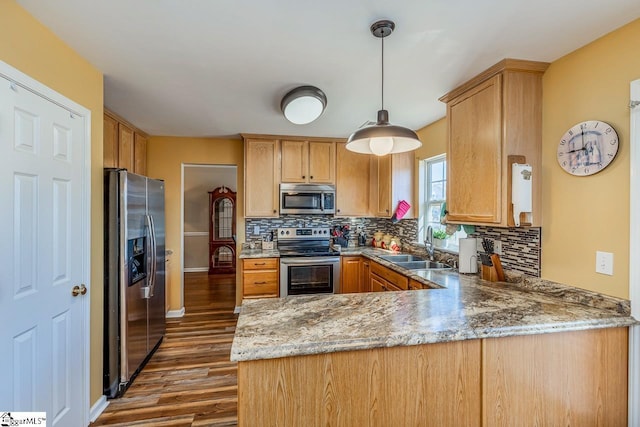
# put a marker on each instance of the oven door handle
(309, 261)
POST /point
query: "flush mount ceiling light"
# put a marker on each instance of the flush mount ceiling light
(383, 138)
(303, 104)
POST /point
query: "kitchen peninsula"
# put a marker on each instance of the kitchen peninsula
(468, 352)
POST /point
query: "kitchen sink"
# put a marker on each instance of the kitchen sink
(423, 265)
(401, 258)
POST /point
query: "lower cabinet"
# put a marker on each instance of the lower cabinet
(260, 278)
(365, 274)
(387, 279)
(574, 378)
(350, 274)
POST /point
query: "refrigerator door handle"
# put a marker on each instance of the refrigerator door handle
(148, 292)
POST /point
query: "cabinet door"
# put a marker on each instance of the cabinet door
(352, 182)
(125, 147)
(110, 142)
(377, 284)
(260, 178)
(294, 160)
(140, 154)
(322, 162)
(365, 275)
(381, 186)
(350, 274)
(474, 184)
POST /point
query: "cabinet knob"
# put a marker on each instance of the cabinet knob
(274, 211)
(311, 177)
(303, 176)
(337, 210)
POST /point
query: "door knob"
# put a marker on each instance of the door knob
(79, 290)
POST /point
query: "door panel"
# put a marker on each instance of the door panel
(157, 310)
(41, 175)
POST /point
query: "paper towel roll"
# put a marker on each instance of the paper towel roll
(468, 255)
(521, 191)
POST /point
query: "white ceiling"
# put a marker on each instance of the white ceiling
(221, 67)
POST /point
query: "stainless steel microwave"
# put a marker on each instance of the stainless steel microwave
(301, 199)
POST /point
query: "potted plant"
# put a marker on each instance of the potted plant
(439, 236)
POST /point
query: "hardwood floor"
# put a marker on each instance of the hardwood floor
(189, 381)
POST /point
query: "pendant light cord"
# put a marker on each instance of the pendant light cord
(382, 90)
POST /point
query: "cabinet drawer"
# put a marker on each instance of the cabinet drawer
(260, 284)
(260, 264)
(397, 279)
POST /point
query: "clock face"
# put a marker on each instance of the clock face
(587, 148)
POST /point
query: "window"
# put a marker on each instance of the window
(433, 193)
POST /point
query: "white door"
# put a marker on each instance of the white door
(43, 256)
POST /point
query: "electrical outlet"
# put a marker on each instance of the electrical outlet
(604, 263)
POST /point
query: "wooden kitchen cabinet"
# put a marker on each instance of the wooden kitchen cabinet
(365, 275)
(261, 182)
(139, 154)
(260, 278)
(494, 115)
(391, 181)
(124, 146)
(110, 141)
(352, 182)
(312, 162)
(350, 274)
(393, 279)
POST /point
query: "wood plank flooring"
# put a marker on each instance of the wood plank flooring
(189, 381)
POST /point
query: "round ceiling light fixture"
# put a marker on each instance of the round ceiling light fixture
(303, 104)
(383, 138)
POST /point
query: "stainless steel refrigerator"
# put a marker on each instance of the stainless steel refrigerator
(134, 285)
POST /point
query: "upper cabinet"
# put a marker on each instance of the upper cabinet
(391, 181)
(124, 146)
(493, 116)
(352, 182)
(308, 161)
(261, 173)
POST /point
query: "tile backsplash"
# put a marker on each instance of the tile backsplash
(520, 246)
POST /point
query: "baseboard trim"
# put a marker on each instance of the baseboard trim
(173, 314)
(98, 408)
(236, 310)
(196, 270)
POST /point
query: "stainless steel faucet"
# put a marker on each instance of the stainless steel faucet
(428, 242)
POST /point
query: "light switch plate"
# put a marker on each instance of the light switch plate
(256, 230)
(604, 263)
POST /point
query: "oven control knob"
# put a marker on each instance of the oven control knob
(315, 231)
(287, 231)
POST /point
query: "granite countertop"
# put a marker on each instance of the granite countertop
(461, 307)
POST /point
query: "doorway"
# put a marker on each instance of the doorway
(198, 180)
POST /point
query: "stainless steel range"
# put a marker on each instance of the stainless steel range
(308, 265)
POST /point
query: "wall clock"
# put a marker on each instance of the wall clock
(587, 148)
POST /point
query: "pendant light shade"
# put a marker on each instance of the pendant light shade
(383, 138)
(303, 104)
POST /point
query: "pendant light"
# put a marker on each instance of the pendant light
(383, 138)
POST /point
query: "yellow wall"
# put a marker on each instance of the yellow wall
(583, 215)
(434, 143)
(165, 156)
(31, 48)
